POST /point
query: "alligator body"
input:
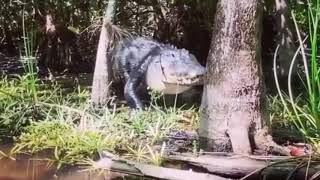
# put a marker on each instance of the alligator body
(141, 62)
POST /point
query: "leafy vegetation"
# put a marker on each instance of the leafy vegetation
(115, 131)
(50, 118)
(20, 96)
(43, 117)
(46, 117)
(77, 24)
(304, 110)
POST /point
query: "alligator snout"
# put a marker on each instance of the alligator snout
(199, 71)
(194, 76)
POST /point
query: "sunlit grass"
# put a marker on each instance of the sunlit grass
(131, 135)
(67, 124)
(68, 144)
(18, 108)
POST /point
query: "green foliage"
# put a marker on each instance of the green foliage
(70, 128)
(18, 106)
(304, 111)
(283, 128)
(68, 144)
(20, 95)
(44, 117)
(139, 17)
(132, 134)
(301, 11)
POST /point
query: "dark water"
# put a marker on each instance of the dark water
(37, 168)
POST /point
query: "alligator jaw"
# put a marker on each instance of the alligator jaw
(197, 80)
(182, 84)
(186, 81)
(156, 81)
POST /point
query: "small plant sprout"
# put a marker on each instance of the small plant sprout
(157, 158)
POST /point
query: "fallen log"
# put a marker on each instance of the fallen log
(237, 166)
(218, 166)
(151, 171)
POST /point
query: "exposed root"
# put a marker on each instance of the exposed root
(265, 143)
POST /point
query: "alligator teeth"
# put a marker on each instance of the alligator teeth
(189, 81)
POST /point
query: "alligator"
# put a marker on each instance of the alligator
(144, 62)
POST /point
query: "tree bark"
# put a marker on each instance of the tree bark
(285, 38)
(101, 77)
(51, 42)
(59, 49)
(232, 109)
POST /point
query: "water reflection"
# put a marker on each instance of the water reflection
(36, 168)
(25, 169)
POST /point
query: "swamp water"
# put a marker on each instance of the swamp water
(25, 167)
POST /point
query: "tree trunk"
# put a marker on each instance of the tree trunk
(51, 49)
(101, 77)
(8, 39)
(232, 109)
(284, 38)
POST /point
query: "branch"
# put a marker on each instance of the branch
(237, 166)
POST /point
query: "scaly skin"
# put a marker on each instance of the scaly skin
(143, 62)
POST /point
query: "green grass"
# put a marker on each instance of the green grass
(67, 144)
(22, 97)
(68, 126)
(45, 118)
(65, 124)
(133, 136)
(18, 107)
(304, 110)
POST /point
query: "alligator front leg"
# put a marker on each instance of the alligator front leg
(135, 78)
(131, 96)
(130, 89)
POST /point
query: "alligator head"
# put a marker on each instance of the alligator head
(174, 71)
